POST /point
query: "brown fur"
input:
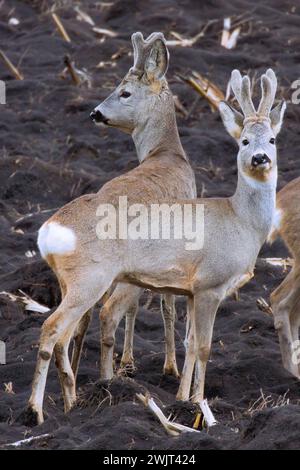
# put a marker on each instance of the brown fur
(285, 299)
(259, 174)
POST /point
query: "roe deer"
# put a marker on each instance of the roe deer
(235, 229)
(285, 300)
(143, 106)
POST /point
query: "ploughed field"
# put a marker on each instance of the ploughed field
(51, 153)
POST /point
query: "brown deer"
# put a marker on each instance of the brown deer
(87, 264)
(285, 300)
(153, 121)
(143, 106)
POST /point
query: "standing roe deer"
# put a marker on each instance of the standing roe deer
(147, 120)
(285, 300)
(144, 134)
(235, 229)
(143, 106)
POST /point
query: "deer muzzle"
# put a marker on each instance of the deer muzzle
(260, 159)
(97, 117)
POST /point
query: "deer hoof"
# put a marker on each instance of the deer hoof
(30, 417)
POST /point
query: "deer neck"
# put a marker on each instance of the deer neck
(254, 202)
(158, 133)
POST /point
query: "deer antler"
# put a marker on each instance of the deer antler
(241, 89)
(242, 92)
(141, 50)
(268, 87)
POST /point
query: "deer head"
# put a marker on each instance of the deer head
(142, 89)
(255, 131)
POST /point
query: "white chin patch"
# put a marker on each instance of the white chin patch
(56, 239)
(101, 124)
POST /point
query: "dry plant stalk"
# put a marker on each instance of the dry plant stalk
(103, 64)
(30, 253)
(82, 16)
(188, 42)
(181, 41)
(8, 388)
(229, 39)
(263, 305)
(174, 429)
(205, 88)
(104, 5)
(11, 67)
(208, 416)
(179, 106)
(28, 440)
(78, 76)
(116, 55)
(105, 32)
(264, 402)
(285, 263)
(60, 27)
(72, 71)
(27, 301)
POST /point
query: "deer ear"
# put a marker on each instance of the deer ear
(276, 117)
(232, 119)
(157, 62)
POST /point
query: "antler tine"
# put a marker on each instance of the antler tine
(154, 36)
(247, 103)
(268, 87)
(241, 89)
(141, 48)
(271, 74)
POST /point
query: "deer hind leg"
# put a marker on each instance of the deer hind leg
(60, 324)
(65, 372)
(295, 317)
(61, 351)
(80, 334)
(283, 301)
(168, 311)
(295, 325)
(127, 360)
(67, 375)
(124, 299)
(183, 393)
(206, 306)
(78, 340)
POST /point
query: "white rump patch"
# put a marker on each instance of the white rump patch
(56, 239)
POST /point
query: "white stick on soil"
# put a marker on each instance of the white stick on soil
(27, 441)
(27, 301)
(174, 429)
(207, 413)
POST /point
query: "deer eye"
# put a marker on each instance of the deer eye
(272, 140)
(125, 94)
(245, 141)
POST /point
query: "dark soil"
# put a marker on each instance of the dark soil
(51, 153)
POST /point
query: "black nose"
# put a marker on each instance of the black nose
(97, 116)
(260, 159)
